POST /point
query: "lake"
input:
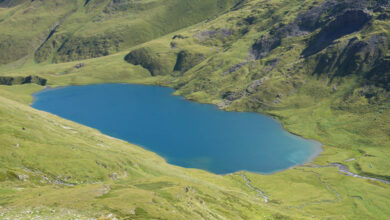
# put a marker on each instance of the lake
(185, 133)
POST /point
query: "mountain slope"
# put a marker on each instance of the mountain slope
(69, 30)
(321, 68)
(54, 163)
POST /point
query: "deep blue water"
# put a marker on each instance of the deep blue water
(185, 133)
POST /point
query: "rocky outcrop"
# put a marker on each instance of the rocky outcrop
(357, 57)
(267, 43)
(326, 50)
(234, 68)
(334, 18)
(380, 74)
(79, 65)
(366, 57)
(178, 36)
(264, 45)
(231, 96)
(124, 5)
(318, 16)
(211, 34)
(253, 87)
(337, 18)
(344, 24)
(18, 80)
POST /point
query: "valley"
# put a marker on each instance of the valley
(292, 60)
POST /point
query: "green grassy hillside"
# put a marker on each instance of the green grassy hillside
(57, 31)
(320, 67)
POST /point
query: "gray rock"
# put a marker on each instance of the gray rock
(23, 177)
(255, 84)
(79, 65)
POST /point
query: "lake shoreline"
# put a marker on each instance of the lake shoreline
(311, 158)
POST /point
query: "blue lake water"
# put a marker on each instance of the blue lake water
(185, 133)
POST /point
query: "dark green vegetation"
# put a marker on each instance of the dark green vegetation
(149, 60)
(8, 80)
(320, 67)
(186, 60)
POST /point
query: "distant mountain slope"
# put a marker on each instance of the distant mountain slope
(77, 29)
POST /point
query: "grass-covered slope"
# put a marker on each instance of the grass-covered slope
(53, 167)
(57, 31)
(321, 68)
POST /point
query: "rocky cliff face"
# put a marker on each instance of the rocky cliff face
(343, 24)
(329, 50)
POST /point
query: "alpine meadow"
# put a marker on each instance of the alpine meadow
(319, 67)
